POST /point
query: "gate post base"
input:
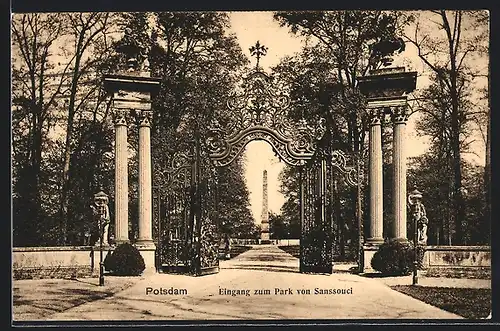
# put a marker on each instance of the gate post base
(148, 253)
(368, 252)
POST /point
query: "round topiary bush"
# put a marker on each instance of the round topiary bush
(395, 258)
(126, 260)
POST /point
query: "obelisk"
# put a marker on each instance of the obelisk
(264, 232)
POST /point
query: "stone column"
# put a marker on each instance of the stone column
(121, 177)
(145, 188)
(399, 117)
(376, 178)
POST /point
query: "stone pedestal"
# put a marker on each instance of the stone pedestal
(376, 178)
(121, 177)
(399, 118)
(148, 253)
(368, 253)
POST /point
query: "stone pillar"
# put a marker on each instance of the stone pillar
(376, 178)
(121, 177)
(145, 188)
(264, 236)
(399, 117)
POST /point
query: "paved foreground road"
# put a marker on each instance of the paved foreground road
(261, 268)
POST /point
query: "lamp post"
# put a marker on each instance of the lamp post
(101, 203)
(415, 261)
(414, 202)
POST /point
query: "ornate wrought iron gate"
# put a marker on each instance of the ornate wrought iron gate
(189, 241)
(188, 236)
(317, 206)
(316, 225)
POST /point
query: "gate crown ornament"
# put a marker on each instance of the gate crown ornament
(259, 111)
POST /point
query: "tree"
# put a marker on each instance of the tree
(34, 95)
(277, 226)
(197, 63)
(90, 47)
(426, 173)
(344, 39)
(323, 79)
(57, 66)
(290, 210)
(235, 216)
(450, 55)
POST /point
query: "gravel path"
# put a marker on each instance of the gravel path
(262, 283)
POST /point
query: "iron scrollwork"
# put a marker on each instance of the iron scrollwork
(339, 161)
(259, 112)
(179, 170)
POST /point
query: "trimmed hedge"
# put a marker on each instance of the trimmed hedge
(395, 258)
(126, 260)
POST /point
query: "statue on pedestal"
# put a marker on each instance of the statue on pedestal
(101, 213)
(418, 214)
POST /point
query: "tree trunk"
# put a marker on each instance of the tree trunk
(485, 231)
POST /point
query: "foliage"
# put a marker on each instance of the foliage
(197, 62)
(395, 258)
(451, 106)
(235, 217)
(125, 260)
(58, 115)
(289, 187)
(323, 83)
(277, 227)
(428, 174)
(62, 123)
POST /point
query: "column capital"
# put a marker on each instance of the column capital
(376, 115)
(399, 115)
(120, 117)
(143, 117)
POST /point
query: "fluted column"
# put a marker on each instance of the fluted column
(121, 177)
(376, 178)
(145, 188)
(399, 118)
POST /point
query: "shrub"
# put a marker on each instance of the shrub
(125, 261)
(395, 258)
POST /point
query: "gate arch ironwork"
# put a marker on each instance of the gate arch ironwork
(258, 110)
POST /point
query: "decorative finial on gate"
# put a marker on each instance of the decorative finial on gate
(258, 50)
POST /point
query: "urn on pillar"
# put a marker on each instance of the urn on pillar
(386, 90)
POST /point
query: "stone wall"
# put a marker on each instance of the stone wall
(56, 262)
(466, 260)
(66, 261)
(281, 242)
(458, 261)
(457, 256)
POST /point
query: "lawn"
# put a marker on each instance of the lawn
(234, 251)
(293, 250)
(237, 250)
(40, 298)
(467, 302)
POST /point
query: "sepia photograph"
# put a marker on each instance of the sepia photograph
(259, 166)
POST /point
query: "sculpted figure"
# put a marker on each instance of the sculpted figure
(418, 215)
(101, 213)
